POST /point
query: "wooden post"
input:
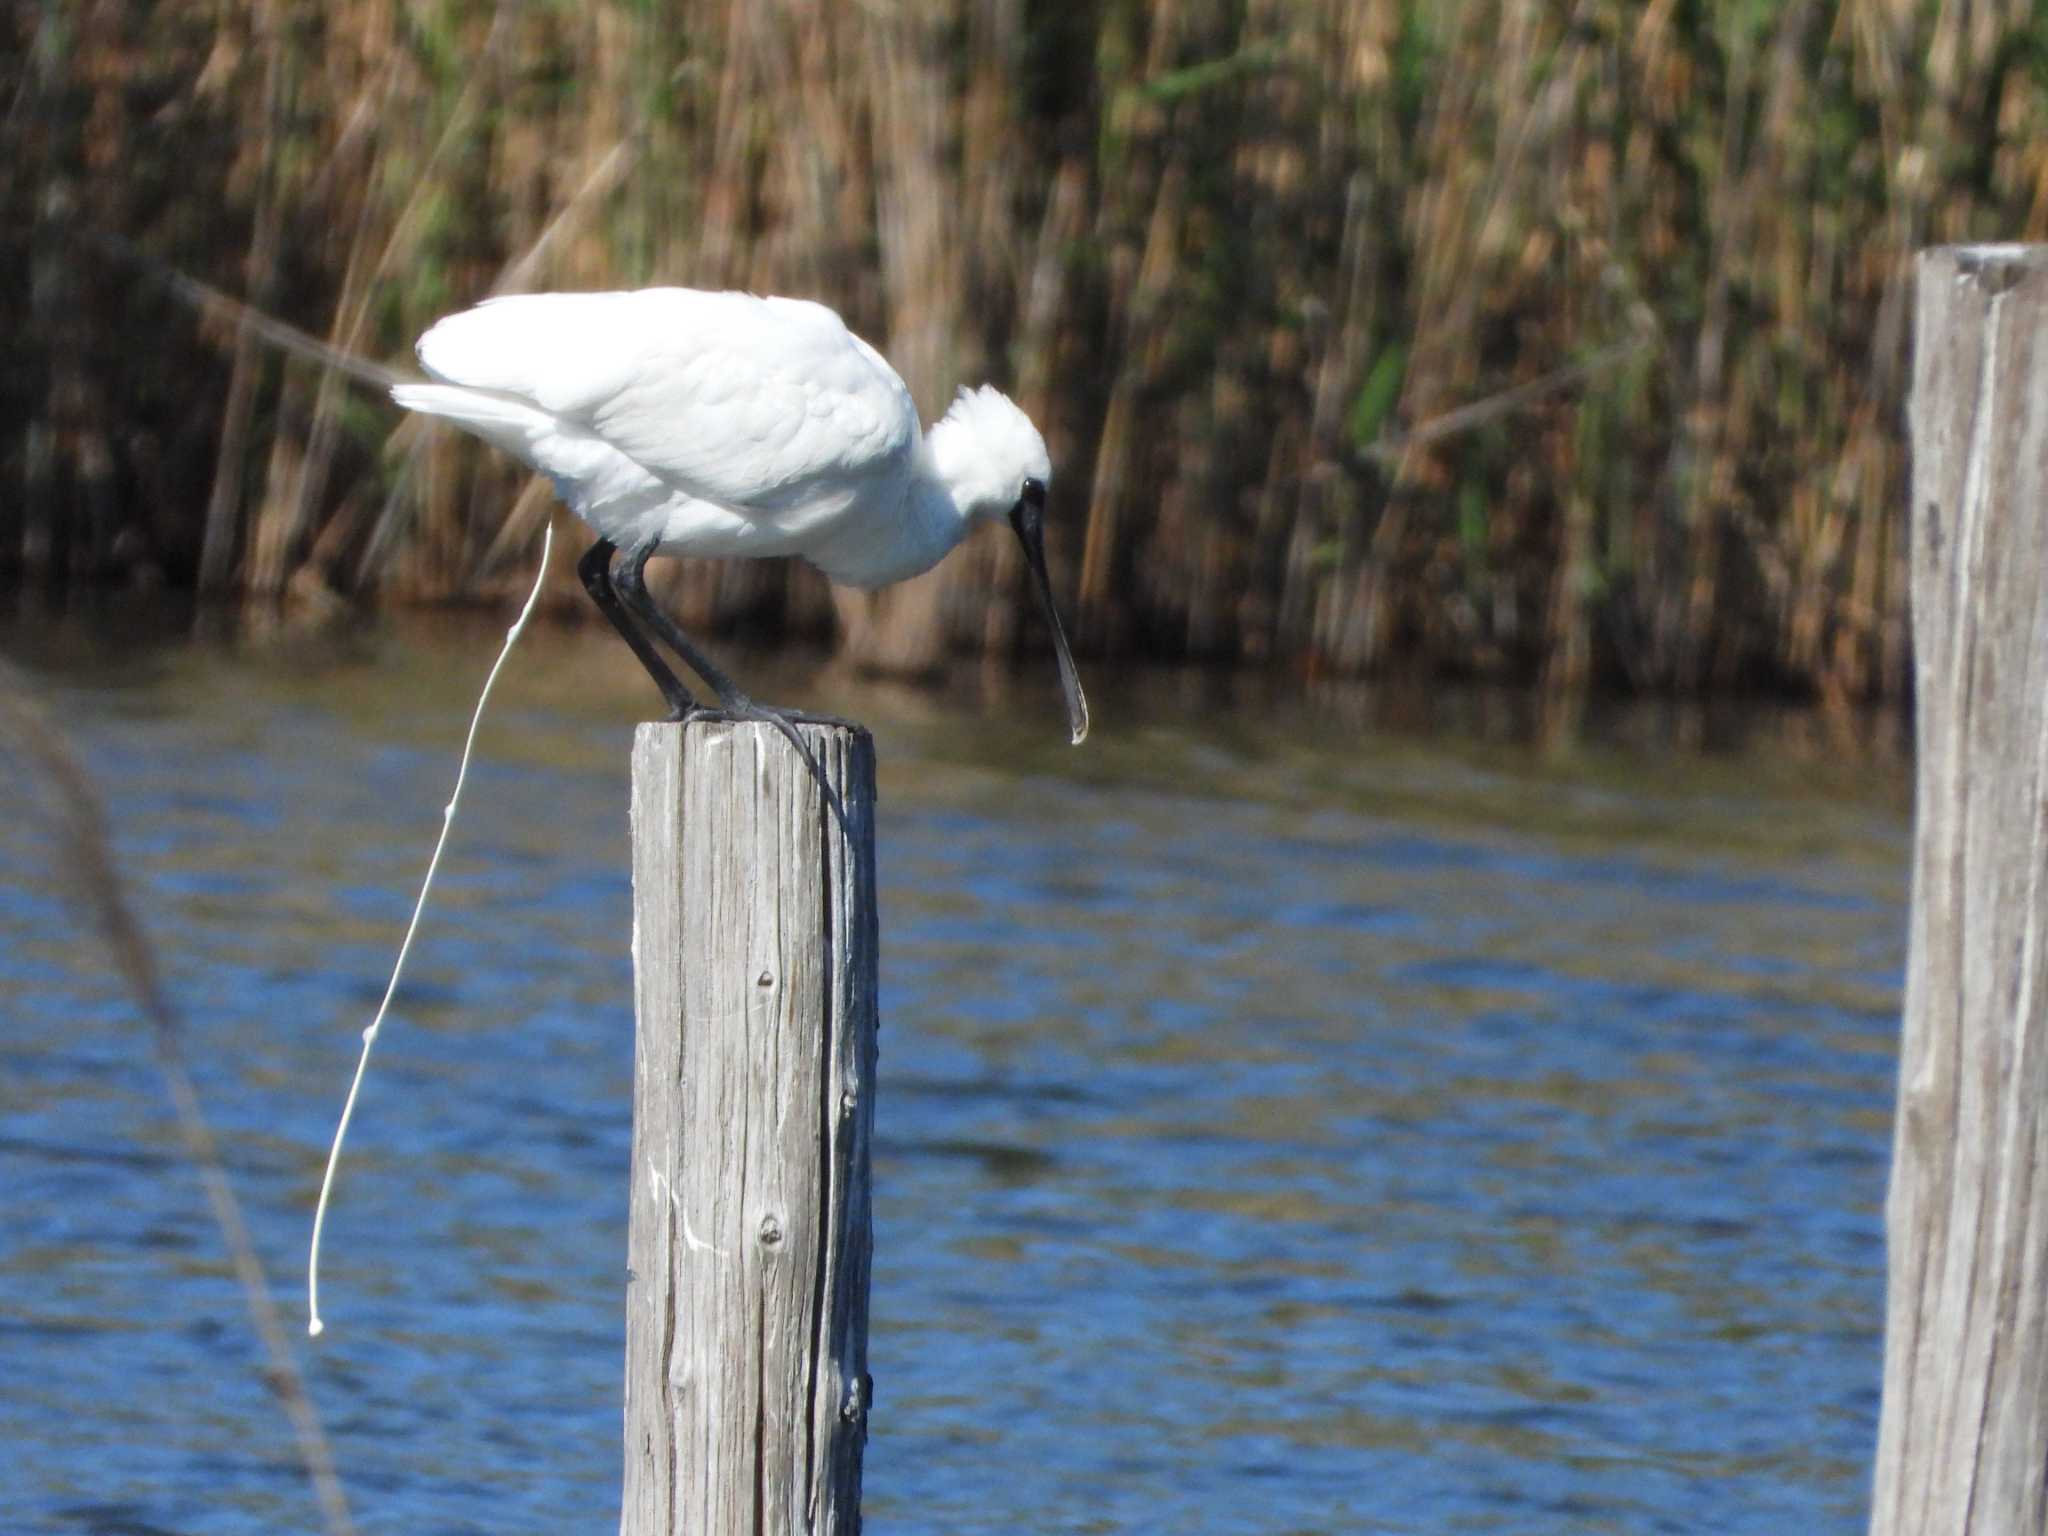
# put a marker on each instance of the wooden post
(754, 943)
(1963, 1443)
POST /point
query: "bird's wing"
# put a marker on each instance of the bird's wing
(753, 403)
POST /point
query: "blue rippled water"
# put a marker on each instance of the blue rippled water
(1284, 1127)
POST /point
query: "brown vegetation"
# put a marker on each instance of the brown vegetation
(1251, 264)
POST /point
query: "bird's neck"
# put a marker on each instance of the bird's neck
(894, 540)
(948, 487)
(934, 521)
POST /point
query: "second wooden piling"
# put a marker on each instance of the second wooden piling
(1963, 1443)
(754, 948)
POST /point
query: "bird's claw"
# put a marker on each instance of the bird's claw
(766, 714)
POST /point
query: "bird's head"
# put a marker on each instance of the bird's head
(993, 462)
(985, 449)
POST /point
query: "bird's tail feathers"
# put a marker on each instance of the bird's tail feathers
(510, 424)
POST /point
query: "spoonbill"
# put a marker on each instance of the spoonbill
(682, 422)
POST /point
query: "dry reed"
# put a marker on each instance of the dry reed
(1251, 264)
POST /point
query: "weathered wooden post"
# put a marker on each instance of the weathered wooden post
(754, 942)
(1963, 1445)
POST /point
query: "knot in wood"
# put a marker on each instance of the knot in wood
(771, 1230)
(764, 980)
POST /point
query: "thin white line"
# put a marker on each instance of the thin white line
(313, 1324)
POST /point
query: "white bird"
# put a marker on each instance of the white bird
(680, 422)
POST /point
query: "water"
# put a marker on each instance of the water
(1287, 1124)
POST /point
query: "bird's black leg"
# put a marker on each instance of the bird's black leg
(631, 580)
(595, 568)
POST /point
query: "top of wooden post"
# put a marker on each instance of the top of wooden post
(1997, 265)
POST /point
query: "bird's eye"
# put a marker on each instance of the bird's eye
(1034, 490)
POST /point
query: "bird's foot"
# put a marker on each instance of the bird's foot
(806, 717)
(743, 708)
(737, 706)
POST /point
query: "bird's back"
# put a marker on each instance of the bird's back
(737, 423)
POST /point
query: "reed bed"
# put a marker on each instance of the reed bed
(1559, 342)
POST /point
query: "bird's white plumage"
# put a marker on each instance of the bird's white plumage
(719, 423)
(734, 398)
(727, 424)
(984, 446)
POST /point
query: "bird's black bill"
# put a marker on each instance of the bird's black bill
(1028, 518)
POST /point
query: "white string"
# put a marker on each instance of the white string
(313, 1324)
